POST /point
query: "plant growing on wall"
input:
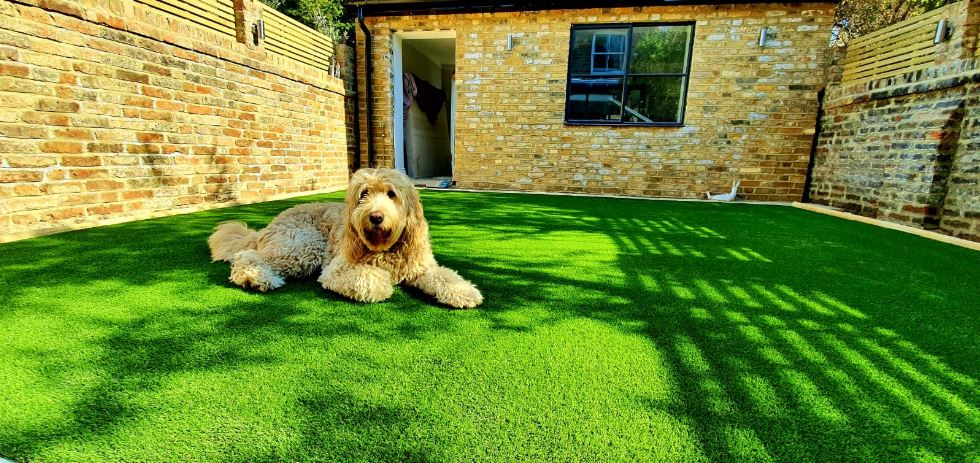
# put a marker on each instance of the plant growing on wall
(326, 16)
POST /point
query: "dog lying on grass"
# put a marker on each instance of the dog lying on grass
(377, 239)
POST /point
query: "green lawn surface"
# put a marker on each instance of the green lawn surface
(613, 330)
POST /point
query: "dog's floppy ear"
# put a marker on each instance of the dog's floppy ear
(416, 228)
(354, 187)
(352, 247)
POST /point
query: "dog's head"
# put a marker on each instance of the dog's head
(382, 208)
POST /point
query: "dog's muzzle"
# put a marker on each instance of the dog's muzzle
(377, 236)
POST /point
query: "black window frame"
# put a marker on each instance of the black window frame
(626, 74)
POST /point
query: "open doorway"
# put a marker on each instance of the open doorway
(425, 66)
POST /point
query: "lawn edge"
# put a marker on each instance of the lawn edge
(599, 195)
(827, 210)
(9, 238)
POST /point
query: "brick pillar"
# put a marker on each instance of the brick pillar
(835, 65)
(247, 15)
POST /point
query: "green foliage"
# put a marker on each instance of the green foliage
(326, 16)
(859, 17)
(659, 49)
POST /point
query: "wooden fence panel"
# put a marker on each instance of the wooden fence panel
(284, 36)
(897, 49)
(216, 15)
(290, 38)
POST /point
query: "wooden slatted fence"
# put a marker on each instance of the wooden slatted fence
(292, 39)
(284, 36)
(216, 15)
(902, 47)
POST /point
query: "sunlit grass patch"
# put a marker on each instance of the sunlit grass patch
(613, 330)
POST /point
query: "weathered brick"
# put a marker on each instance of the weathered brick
(81, 161)
(24, 219)
(32, 161)
(105, 209)
(23, 131)
(15, 70)
(149, 137)
(137, 194)
(74, 133)
(41, 118)
(143, 148)
(63, 188)
(132, 76)
(62, 147)
(99, 185)
(11, 176)
(105, 147)
(60, 106)
(27, 190)
(66, 213)
(85, 173)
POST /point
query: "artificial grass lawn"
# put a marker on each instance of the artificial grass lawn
(612, 330)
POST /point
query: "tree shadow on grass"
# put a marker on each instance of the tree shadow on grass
(135, 253)
(780, 349)
(163, 312)
(788, 336)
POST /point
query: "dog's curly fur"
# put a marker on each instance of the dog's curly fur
(378, 238)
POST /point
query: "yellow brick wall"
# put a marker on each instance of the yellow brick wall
(750, 112)
(112, 111)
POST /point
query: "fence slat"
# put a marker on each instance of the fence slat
(915, 52)
(920, 35)
(889, 69)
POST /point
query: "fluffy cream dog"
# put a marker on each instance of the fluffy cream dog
(378, 238)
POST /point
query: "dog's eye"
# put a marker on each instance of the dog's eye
(364, 194)
(391, 194)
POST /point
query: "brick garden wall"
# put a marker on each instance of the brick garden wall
(907, 148)
(113, 111)
(750, 112)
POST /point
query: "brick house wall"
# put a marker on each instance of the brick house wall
(750, 111)
(112, 111)
(907, 148)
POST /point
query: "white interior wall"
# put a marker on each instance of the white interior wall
(428, 146)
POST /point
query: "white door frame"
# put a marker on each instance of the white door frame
(399, 91)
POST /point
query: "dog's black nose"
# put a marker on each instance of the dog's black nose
(376, 217)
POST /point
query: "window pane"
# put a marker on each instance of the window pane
(615, 63)
(580, 57)
(600, 63)
(595, 99)
(659, 49)
(654, 99)
(617, 43)
(599, 43)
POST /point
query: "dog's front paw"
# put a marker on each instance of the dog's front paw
(375, 286)
(362, 283)
(462, 295)
(250, 271)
